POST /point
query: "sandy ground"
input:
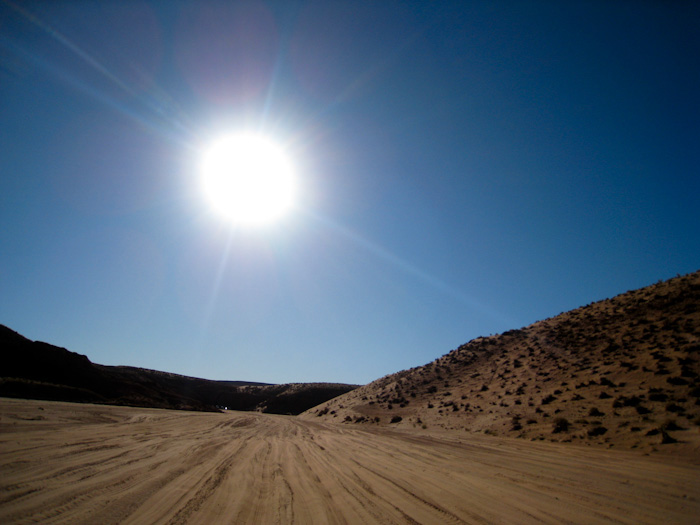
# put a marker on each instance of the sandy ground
(68, 463)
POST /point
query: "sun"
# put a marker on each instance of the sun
(248, 179)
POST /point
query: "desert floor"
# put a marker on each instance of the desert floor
(69, 463)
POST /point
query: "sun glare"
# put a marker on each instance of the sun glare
(248, 179)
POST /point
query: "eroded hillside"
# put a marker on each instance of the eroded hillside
(37, 370)
(621, 372)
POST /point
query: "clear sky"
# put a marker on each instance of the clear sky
(462, 169)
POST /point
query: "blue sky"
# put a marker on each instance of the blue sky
(464, 169)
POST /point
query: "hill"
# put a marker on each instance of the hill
(37, 370)
(621, 372)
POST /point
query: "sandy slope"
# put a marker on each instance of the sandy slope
(621, 372)
(61, 462)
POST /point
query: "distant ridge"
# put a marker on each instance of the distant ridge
(618, 372)
(36, 370)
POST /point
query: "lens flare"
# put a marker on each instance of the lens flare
(248, 179)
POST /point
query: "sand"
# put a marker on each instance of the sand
(70, 463)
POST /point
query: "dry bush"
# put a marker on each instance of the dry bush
(561, 424)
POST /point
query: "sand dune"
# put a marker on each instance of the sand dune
(621, 372)
(70, 463)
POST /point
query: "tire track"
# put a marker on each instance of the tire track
(179, 467)
(443, 512)
(207, 489)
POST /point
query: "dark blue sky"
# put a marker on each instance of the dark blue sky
(464, 168)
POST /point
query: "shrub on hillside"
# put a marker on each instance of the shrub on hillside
(548, 399)
(597, 431)
(561, 424)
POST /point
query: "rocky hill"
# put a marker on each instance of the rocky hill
(622, 372)
(36, 370)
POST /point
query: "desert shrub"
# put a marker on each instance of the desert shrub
(666, 439)
(672, 407)
(678, 381)
(561, 424)
(548, 399)
(597, 431)
(604, 395)
(396, 419)
(687, 372)
(658, 396)
(606, 382)
(641, 410)
(669, 425)
(624, 401)
(632, 401)
(594, 412)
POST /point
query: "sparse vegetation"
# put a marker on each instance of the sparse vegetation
(603, 373)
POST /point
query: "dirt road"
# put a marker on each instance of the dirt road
(66, 463)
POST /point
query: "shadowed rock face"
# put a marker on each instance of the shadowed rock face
(621, 371)
(36, 370)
